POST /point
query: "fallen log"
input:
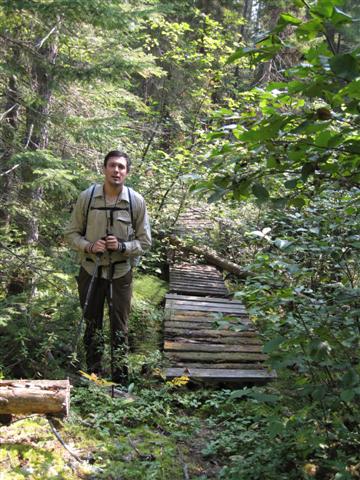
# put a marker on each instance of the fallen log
(210, 256)
(20, 397)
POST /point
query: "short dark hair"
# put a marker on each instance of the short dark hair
(118, 154)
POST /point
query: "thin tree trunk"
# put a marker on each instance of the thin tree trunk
(36, 137)
(9, 131)
(247, 11)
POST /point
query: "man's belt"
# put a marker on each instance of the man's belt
(88, 259)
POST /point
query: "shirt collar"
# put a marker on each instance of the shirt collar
(99, 192)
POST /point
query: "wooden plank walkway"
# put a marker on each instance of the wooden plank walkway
(208, 336)
(197, 279)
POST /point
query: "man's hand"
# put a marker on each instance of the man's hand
(112, 243)
(99, 246)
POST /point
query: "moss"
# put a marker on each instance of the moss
(146, 315)
(29, 450)
(149, 288)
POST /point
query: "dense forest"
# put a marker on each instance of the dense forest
(250, 107)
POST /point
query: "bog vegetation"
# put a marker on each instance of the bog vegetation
(249, 105)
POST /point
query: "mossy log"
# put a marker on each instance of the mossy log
(20, 397)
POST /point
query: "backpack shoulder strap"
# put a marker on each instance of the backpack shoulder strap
(131, 208)
(88, 208)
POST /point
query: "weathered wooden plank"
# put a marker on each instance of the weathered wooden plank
(217, 356)
(194, 308)
(194, 298)
(215, 308)
(215, 332)
(222, 374)
(189, 318)
(174, 298)
(187, 325)
(198, 289)
(241, 319)
(195, 281)
(198, 278)
(195, 275)
(200, 266)
(204, 308)
(245, 366)
(196, 271)
(195, 314)
(205, 347)
(198, 283)
(200, 338)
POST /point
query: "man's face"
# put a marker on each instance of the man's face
(116, 171)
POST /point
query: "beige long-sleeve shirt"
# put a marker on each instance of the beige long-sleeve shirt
(137, 239)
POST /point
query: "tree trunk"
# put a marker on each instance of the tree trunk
(37, 118)
(246, 27)
(9, 131)
(22, 397)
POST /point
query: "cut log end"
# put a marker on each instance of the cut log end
(23, 397)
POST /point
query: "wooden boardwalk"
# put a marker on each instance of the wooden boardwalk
(208, 336)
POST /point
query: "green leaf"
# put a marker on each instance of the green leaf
(275, 427)
(353, 146)
(288, 19)
(350, 378)
(340, 17)
(352, 90)
(298, 202)
(264, 397)
(344, 66)
(217, 195)
(309, 30)
(240, 52)
(241, 189)
(322, 139)
(272, 162)
(273, 344)
(323, 8)
(347, 395)
(260, 192)
(291, 183)
(318, 392)
(238, 394)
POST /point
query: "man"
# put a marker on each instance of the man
(109, 227)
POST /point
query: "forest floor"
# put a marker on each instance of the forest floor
(158, 431)
(100, 447)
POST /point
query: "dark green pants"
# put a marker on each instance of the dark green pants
(94, 316)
